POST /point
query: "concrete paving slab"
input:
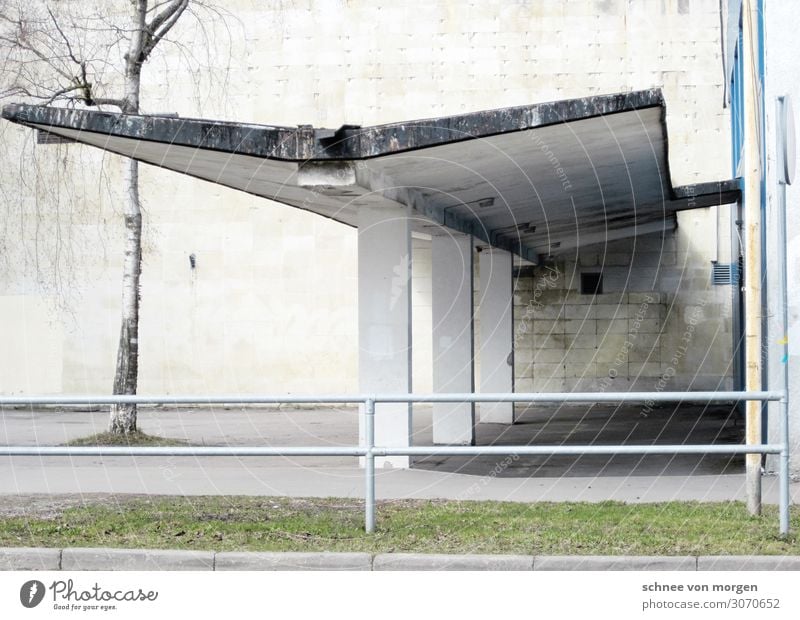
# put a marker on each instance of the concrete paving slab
(136, 559)
(230, 561)
(419, 561)
(748, 562)
(30, 558)
(613, 562)
(25, 476)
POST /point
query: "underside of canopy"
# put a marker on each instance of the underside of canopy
(537, 180)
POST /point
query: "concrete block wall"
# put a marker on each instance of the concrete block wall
(646, 331)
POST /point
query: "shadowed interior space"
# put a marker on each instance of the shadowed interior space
(600, 425)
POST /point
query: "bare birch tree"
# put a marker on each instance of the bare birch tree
(77, 53)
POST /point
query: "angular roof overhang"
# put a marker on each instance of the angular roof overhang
(535, 180)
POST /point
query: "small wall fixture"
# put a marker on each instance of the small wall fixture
(192, 261)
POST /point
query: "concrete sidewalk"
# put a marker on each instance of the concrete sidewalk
(151, 559)
(228, 476)
(634, 479)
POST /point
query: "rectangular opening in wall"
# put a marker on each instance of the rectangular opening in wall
(591, 284)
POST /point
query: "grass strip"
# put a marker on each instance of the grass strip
(311, 524)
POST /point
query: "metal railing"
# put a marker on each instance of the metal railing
(370, 451)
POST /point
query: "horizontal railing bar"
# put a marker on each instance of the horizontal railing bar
(576, 450)
(123, 399)
(542, 397)
(179, 451)
(582, 397)
(383, 451)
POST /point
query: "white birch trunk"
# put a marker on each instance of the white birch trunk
(123, 417)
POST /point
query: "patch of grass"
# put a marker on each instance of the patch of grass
(286, 524)
(137, 438)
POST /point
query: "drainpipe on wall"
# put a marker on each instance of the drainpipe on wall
(752, 238)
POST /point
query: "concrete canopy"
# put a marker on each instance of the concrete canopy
(535, 180)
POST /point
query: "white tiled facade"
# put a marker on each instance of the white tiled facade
(271, 304)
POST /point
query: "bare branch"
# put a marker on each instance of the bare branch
(175, 6)
(60, 93)
(119, 103)
(63, 36)
(160, 25)
(22, 43)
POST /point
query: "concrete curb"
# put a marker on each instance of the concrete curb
(30, 558)
(293, 561)
(34, 558)
(135, 559)
(748, 562)
(419, 561)
(613, 562)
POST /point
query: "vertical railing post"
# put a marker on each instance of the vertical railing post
(783, 479)
(369, 466)
(784, 118)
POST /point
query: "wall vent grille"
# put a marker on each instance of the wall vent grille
(45, 137)
(725, 274)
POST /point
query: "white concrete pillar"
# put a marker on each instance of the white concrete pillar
(497, 332)
(384, 321)
(453, 339)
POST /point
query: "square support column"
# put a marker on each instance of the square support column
(497, 333)
(384, 322)
(453, 336)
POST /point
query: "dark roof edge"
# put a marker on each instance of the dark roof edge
(350, 142)
(709, 194)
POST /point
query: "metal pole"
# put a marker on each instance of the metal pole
(575, 450)
(181, 451)
(582, 397)
(369, 466)
(258, 399)
(752, 255)
(545, 450)
(784, 177)
(784, 467)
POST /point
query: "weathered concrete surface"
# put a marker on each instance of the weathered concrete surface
(453, 335)
(421, 561)
(242, 337)
(136, 559)
(353, 142)
(751, 562)
(496, 310)
(613, 562)
(293, 561)
(30, 558)
(384, 322)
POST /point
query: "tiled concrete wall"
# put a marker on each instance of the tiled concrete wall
(658, 324)
(271, 305)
